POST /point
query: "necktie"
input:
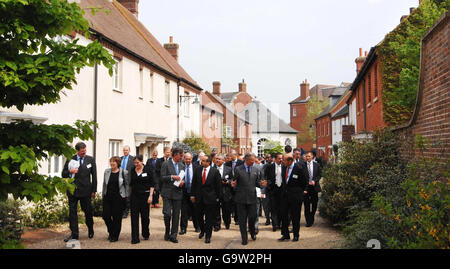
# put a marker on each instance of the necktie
(310, 171)
(176, 168)
(287, 175)
(233, 166)
(188, 178)
(81, 161)
(123, 165)
(154, 163)
(204, 176)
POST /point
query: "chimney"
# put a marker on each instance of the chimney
(304, 90)
(172, 48)
(360, 61)
(242, 86)
(131, 5)
(216, 88)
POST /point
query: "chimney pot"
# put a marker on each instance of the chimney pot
(242, 86)
(365, 53)
(131, 5)
(216, 88)
(172, 48)
(304, 90)
(360, 52)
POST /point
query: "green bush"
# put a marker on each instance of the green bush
(97, 205)
(11, 226)
(360, 171)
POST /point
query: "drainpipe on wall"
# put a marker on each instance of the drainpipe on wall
(364, 103)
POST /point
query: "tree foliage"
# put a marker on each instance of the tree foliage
(272, 147)
(400, 58)
(314, 107)
(37, 61)
(196, 143)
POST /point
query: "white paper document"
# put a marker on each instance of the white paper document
(181, 175)
(73, 164)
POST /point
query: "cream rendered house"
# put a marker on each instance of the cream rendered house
(148, 103)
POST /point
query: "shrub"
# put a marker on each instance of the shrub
(97, 205)
(11, 226)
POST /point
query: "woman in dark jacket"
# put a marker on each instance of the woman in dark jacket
(115, 190)
(141, 186)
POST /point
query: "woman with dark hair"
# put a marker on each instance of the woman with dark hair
(115, 190)
(142, 185)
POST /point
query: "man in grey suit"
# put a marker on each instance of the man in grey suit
(246, 179)
(172, 194)
(127, 161)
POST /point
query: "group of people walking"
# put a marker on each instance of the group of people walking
(204, 189)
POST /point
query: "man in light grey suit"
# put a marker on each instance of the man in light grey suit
(246, 178)
(172, 194)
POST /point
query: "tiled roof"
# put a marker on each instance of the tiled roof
(121, 26)
(341, 112)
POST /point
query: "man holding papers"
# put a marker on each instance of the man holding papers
(172, 175)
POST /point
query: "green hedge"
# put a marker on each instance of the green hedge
(11, 226)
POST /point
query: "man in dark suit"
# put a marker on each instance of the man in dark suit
(311, 199)
(187, 206)
(156, 163)
(206, 196)
(172, 194)
(233, 163)
(86, 187)
(274, 176)
(246, 179)
(226, 201)
(292, 188)
(266, 200)
(298, 156)
(127, 161)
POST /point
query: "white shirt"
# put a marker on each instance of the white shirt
(278, 174)
(220, 168)
(207, 171)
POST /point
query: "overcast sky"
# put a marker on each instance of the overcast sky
(273, 45)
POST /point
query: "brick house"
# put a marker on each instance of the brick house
(232, 125)
(329, 122)
(365, 101)
(265, 125)
(298, 108)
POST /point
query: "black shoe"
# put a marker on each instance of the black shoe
(253, 236)
(135, 242)
(173, 240)
(91, 234)
(274, 229)
(71, 237)
(197, 230)
(227, 226)
(207, 240)
(125, 215)
(182, 232)
(166, 237)
(112, 240)
(200, 236)
(283, 238)
(295, 239)
(216, 229)
(146, 238)
(244, 242)
(236, 223)
(267, 222)
(308, 225)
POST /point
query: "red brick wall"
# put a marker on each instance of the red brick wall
(296, 123)
(431, 117)
(324, 136)
(241, 101)
(373, 102)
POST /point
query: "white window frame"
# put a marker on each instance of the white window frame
(152, 77)
(114, 147)
(294, 112)
(117, 75)
(141, 83)
(55, 165)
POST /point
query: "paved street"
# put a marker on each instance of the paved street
(320, 236)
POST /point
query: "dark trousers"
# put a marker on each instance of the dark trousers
(218, 221)
(113, 206)
(126, 209)
(86, 206)
(139, 206)
(187, 211)
(234, 211)
(155, 197)
(310, 200)
(292, 206)
(246, 213)
(227, 208)
(206, 217)
(275, 209)
(171, 211)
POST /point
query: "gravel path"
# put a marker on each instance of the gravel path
(320, 236)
